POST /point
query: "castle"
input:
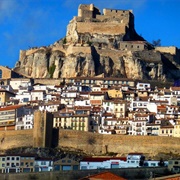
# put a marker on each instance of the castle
(101, 43)
(91, 25)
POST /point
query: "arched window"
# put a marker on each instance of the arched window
(0, 73)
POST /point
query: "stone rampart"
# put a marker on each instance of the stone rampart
(101, 28)
(170, 49)
(99, 144)
(76, 49)
(113, 53)
(14, 139)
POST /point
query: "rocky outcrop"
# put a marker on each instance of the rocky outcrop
(96, 44)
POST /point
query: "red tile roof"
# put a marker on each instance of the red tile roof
(103, 176)
(175, 88)
(10, 107)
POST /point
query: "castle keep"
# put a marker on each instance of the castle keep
(94, 25)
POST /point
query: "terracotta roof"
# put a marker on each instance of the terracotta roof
(96, 93)
(103, 176)
(10, 107)
(82, 107)
(175, 88)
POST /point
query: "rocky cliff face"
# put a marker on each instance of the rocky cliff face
(115, 52)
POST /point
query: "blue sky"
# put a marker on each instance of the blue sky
(33, 23)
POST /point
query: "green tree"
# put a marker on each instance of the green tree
(51, 70)
(64, 40)
(156, 42)
(161, 162)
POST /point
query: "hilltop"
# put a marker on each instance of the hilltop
(103, 44)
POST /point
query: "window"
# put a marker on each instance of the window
(3, 159)
(69, 161)
(7, 164)
(27, 164)
(8, 158)
(75, 167)
(22, 164)
(43, 162)
(176, 162)
(31, 164)
(17, 158)
(0, 73)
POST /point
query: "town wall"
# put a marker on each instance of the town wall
(100, 144)
(13, 139)
(101, 28)
(96, 143)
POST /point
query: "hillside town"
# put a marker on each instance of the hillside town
(92, 104)
(100, 105)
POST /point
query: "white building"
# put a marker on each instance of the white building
(102, 163)
(143, 86)
(26, 120)
(43, 164)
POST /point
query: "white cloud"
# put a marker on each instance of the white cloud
(8, 8)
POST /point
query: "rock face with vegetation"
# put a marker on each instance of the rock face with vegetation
(101, 44)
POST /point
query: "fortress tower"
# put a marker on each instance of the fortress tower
(43, 127)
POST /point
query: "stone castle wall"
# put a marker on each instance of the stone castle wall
(76, 49)
(6, 73)
(97, 143)
(13, 139)
(170, 49)
(101, 28)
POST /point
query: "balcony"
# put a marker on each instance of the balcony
(9, 123)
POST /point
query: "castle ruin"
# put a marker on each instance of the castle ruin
(112, 26)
